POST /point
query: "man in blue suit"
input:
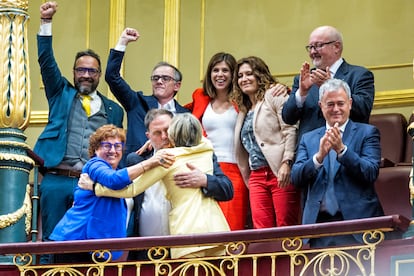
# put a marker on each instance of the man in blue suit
(165, 80)
(63, 144)
(325, 50)
(337, 165)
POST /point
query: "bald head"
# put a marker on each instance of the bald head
(327, 42)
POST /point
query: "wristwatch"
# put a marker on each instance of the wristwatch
(288, 162)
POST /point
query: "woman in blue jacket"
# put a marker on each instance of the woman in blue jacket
(93, 217)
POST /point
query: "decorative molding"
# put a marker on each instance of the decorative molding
(372, 68)
(18, 4)
(171, 31)
(88, 24)
(38, 118)
(15, 96)
(117, 14)
(394, 98)
(202, 38)
(383, 99)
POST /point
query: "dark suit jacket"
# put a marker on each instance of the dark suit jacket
(136, 104)
(51, 144)
(361, 82)
(355, 175)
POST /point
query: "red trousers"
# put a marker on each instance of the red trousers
(272, 206)
(235, 210)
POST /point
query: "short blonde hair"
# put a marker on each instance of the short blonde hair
(185, 130)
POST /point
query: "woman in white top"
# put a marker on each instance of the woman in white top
(217, 114)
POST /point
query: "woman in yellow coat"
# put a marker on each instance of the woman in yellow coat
(191, 212)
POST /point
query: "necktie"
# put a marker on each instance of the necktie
(331, 204)
(86, 104)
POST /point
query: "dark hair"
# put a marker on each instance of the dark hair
(154, 113)
(103, 133)
(264, 80)
(208, 86)
(89, 53)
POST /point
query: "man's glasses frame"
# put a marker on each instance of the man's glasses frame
(164, 78)
(318, 45)
(80, 71)
(107, 146)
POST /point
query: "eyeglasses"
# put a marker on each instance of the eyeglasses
(164, 78)
(108, 146)
(80, 71)
(318, 45)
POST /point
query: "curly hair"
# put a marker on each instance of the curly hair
(264, 80)
(102, 134)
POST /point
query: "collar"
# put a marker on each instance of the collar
(170, 106)
(93, 95)
(334, 67)
(341, 128)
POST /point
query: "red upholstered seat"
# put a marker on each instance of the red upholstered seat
(392, 187)
(393, 130)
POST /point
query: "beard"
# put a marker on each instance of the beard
(85, 85)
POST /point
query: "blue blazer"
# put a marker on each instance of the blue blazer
(355, 174)
(136, 104)
(361, 82)
(60, 93)
(93, 217)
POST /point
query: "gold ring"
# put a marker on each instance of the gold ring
(162, 160)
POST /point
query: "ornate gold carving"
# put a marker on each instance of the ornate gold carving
(23, 259)
(237, 248)
(26, 209)
(16, 157)
(157, 253)
(373, 237)
(14, 58)
(202, 267)
(358, 259)
(14, 168)
(19, 4)
(13, 133)
(14, 144)
(102, 256)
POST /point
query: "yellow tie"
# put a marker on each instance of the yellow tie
(86, 104)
